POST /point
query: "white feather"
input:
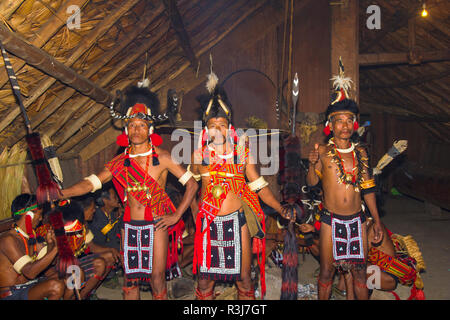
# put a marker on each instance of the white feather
(340, 82)
(212, 82)
(144, 84)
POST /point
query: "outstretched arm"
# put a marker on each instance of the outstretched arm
(265, 193)
(87, 185)
(191, 188)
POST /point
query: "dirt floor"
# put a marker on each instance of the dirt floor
(403, 215)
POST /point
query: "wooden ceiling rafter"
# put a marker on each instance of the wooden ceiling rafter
(87, 42)
(192, 82)
(45, 32)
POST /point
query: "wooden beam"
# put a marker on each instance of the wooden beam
(62, 73)
(178, 25)
(345, 42)
(8, 7)
(402, 112)
(68, 132)
(45, 32)
(264, 20)
(377, 59)
(413, 82)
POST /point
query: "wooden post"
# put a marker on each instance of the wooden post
(345, 41)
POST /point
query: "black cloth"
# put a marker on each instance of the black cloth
(111, 239)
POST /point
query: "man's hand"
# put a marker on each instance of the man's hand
(288, 212)
(314, 155)
(306, 228)
(116, 255)
(377, 232)
(166, 221)
(50, 238)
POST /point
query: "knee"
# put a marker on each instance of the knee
(99, 265)
(326, 273)
(56, 287)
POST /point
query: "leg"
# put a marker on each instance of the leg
(245, 285)
(326, 263)
(99, 266)
(348, 279)
(360, 276)
(51, 289)
(205, 289)
(388, 283)
(160, 245)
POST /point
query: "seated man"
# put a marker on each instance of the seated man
(23, 259)
(80, 238)
(111, 255)
(105, 223)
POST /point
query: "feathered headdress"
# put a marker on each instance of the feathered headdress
(340, 99)
(138, 102)
(215, 104)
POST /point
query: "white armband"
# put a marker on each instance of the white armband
(89, 237)
(42, 253)
(18, 266)
(185, 177)
(258, 184)
(95, 182)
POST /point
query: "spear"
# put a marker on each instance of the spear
(48, 190)
(295, 92)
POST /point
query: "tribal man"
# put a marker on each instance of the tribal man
(139, 176)
(229, 212)
(344, 171)
(24, 259)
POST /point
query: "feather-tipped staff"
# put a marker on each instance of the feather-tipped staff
(289, 275)
(48, 190)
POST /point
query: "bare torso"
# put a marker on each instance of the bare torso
(158, 173)
(338, 198)
(8, 276)
(231, 202)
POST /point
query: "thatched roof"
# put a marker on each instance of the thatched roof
(117, 40)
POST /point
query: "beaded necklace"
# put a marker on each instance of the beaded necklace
(25, 241)
(138, 186)
(347, 177)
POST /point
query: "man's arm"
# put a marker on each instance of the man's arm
(191, 188)
(265, 193)
(88, 184)
(23, 263)
(315, 167)
(370, 197)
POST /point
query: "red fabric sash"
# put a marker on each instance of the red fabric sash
(159, 203)
(209, 207)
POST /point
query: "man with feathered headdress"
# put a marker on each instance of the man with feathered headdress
(343, 169)
(139, 176)
(229, 212)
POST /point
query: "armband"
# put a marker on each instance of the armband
(319, 174)
(368, 186)
(185, 177)
(18, 266)
(89, 237)
(95, 182)
(42, 253)
(197, 177)
(258, 184)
